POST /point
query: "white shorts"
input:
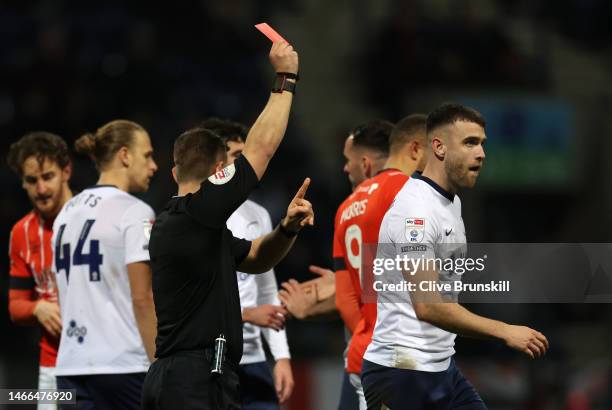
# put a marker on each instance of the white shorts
(46, 380)
(355, 380)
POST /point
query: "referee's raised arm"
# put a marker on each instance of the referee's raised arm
(268, 131)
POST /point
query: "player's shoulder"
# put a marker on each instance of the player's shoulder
(394, 180)
(367, 187)
(360, 192)
(390, 182)
(355, 202)
(138, 206)
(413, 192)
(457, 201)
(18, 229)
(252, 215)
(123, 201)
(121, 204)
(26, 219)
(412, 201)
(255, 209)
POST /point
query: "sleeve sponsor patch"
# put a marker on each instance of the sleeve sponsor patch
(223, 176)
(415, 229)
(148, 226)
(414, 248)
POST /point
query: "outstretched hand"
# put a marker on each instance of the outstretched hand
(324, 285)
(526, 340)
(269, 316)
(296, 300)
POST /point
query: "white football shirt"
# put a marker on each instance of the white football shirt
(250, 221)
(423, 220)
(96, 235)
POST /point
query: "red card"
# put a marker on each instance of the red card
(269, 32)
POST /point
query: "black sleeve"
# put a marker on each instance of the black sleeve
(240, 248)
(221, 194)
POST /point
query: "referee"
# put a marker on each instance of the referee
(194, 257)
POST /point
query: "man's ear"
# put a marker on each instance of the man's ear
(124, 156)
(366, 166)
(174, 174)
(67, 172)
(438, 147)
(413, 150)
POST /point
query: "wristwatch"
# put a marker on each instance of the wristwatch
(281, 84)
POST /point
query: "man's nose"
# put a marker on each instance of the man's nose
(41, 186)
(480, 155)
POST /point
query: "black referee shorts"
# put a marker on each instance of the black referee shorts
(183, 381)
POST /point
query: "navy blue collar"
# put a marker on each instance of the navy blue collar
(438, 188)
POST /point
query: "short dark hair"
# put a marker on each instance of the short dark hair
(448, 113)
(412, 127)
(373, 135)
(41, 144)
(107, 140)
(195, 153)
(227, 130)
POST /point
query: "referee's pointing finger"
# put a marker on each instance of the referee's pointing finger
(302, 191)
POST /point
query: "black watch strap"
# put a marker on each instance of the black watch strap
(281, 84)
(293, 76)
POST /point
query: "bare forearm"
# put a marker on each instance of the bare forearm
(22, 312)
(146, 320)
(267, 252)
(246, 315)
(454, 318)
(268, 131)
(325, 309)
(275, 246)
(270, 126)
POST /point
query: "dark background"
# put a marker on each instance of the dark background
(539, 70)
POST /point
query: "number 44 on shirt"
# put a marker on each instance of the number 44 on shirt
(94, 259)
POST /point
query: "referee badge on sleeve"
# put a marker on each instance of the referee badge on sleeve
(223, 176)
(415, 230)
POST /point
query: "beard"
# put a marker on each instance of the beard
(459, 173)
(48, 205)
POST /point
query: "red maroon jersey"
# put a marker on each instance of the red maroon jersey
(356, 227)
(31, 277)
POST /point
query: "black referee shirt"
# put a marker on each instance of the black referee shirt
(194, 258)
